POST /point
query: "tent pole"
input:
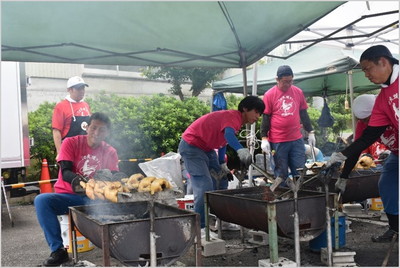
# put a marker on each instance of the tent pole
(252, 138)
(244, 71)
(353, 120)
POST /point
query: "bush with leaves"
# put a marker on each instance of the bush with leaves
(41, 132)
(147, 126)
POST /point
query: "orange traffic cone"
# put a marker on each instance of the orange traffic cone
(45, 175)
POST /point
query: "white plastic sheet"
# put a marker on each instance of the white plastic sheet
(167, 166)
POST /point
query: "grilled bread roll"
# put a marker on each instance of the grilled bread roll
(158, 185)
(365, 162)
(111, 193)
(82, 184)
(90, 189)
(99, 189)
(134, 180)
(145, 184)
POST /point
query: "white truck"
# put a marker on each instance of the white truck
(15, 142)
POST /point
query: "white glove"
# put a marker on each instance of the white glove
(265, 146)
(340, 185)
(245, 156)
(311, 139)
(336, 157)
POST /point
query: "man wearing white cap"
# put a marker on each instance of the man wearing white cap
(380, 67)
(71, 115)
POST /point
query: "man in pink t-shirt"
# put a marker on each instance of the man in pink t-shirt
(285, 109)
(212, 131)
(380, 67)
(79, 156)
(71, 115)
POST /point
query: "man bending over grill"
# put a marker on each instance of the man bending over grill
(79, 158)
(215, 131)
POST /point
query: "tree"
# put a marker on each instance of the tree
(200, 78)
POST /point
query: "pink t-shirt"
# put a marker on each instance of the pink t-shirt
(62, 114)
(284, 108)
(85, 159)
(207, 132)
(379, 146)
(386, 113)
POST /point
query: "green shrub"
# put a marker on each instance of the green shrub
(41, 132)
(40, 129)
(146, 127)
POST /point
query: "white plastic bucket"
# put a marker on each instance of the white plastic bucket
(83, 244)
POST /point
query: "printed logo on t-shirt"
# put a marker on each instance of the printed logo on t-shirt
(88, 165)
(84, 125)
(389, 138)
(393, 105)
(82, 111)
(286, 105)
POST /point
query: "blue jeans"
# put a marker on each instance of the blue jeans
(199, 163)
(48, 206)
(389, 185)
(289, 154)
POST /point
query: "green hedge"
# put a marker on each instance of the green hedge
(146, 127)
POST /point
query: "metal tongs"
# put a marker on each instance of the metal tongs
(76, 186)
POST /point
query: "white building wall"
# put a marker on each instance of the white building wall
(48, 82)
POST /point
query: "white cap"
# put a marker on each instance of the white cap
(76, 81)
(362, 105)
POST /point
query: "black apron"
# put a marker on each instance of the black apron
(78, 126)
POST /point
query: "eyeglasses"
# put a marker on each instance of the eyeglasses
(289, 82)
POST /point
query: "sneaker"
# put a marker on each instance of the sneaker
(385, 238)
(57, 258)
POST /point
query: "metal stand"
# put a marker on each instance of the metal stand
(328, 226)
(272, 233)
(325, 177)
(73, 238)
(295, 186)
(197, 243)
(153, 236)
(240, 175)
(6, 200)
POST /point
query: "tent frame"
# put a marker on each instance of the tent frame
(349, 25)
(394, 25)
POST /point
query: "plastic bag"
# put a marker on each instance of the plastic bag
(168, 166)
(326, 119)
(219, 102)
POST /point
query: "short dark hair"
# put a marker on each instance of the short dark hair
(374, 53)
(101, 117)
(250, 103)
(284, 70)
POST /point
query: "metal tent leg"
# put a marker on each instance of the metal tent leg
(7, 204)
(272, 233)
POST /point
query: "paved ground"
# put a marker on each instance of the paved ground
(24, 246)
